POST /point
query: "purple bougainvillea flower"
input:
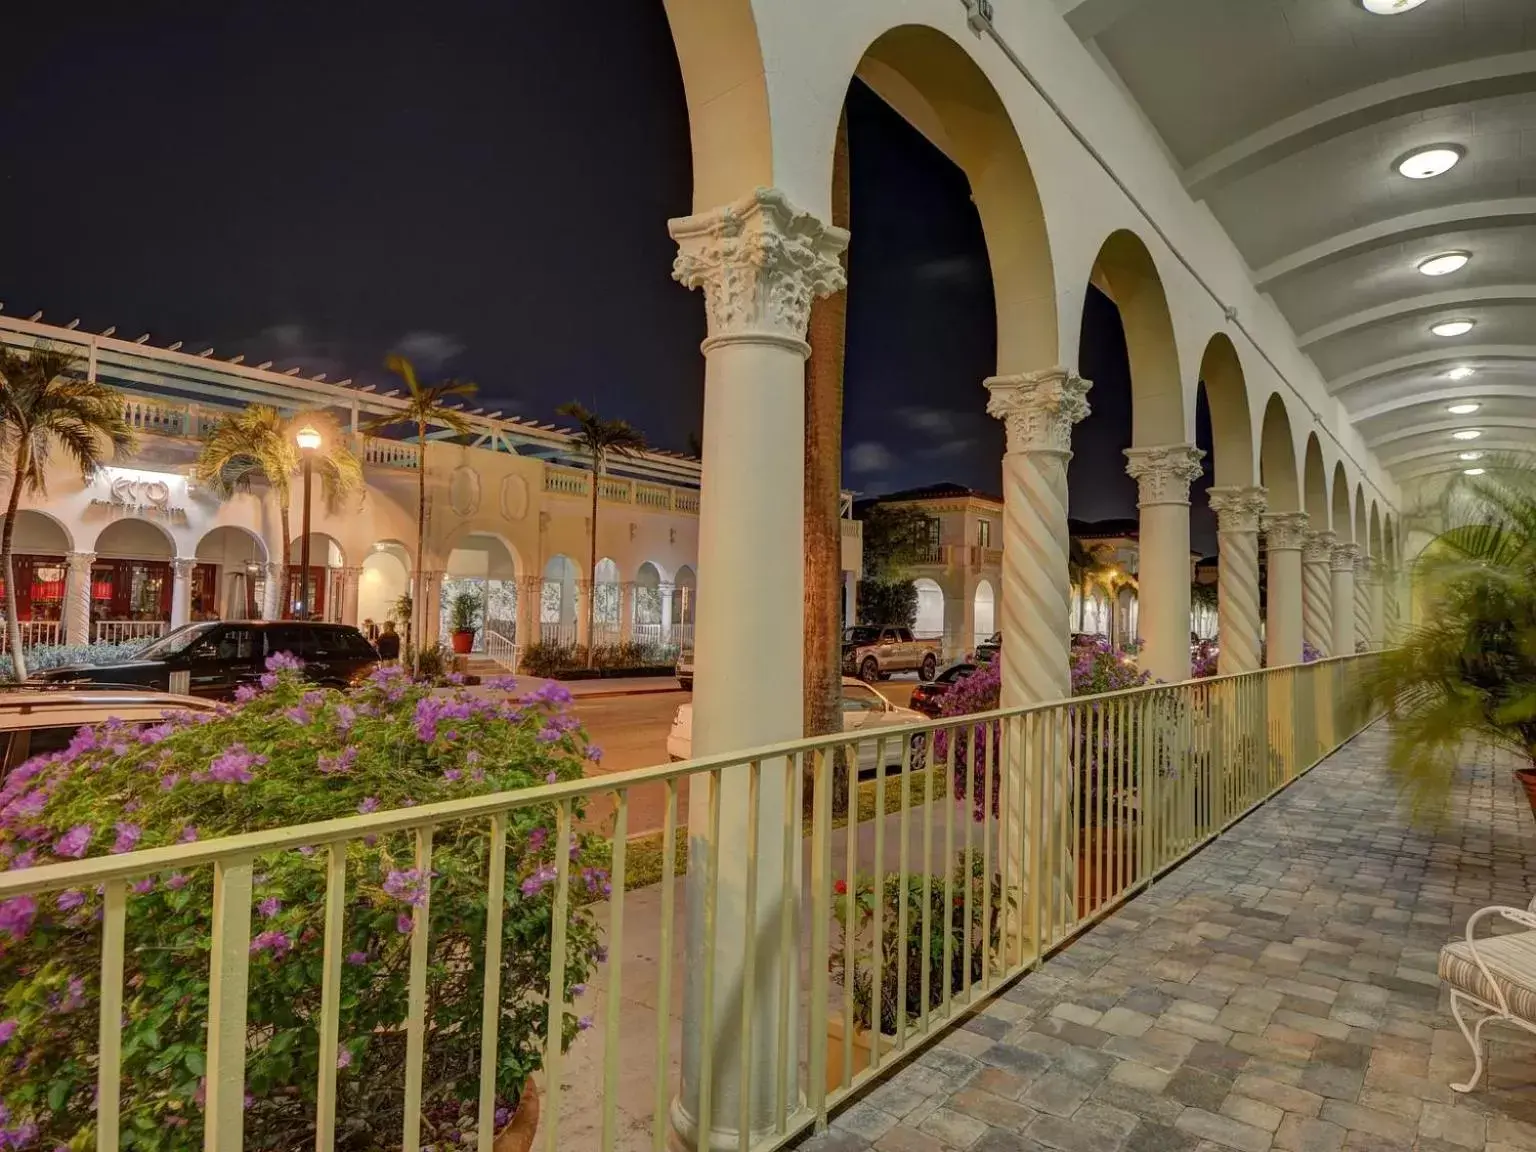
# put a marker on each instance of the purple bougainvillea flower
(279, 661)
(404, 924)
(74, 842)
(16, 916)
(369, 804)
(234, 765)
(341, 762)
(453, 775)
(594, 754)
(176, 881)
(8, 1029)
(408, 886)
(313, 699)
(188, 834)
(128, 836)
(142, 887)
(277, 943)
(70, 899)
(357, 959)
(584, 1023)
(246, 693)
(346, 716)
(270, 907)
(344, 1058)
(550, 777)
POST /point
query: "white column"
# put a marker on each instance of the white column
(529, 591)
(1237, 528)
(272, 598)
(626, 612)
(666, 591)
(1392, 587)
(1362, 600)
(1343, 566)
(959, 621)
(181, 590)
(850, 598)
(582, 591)
(1377, 605)
(432, 605)
(1317, 592)
(1164, 475)
(77, 597)
(1284, 534)
(351, 578)
(760, 262)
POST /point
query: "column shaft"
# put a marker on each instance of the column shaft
(1317, 593)
(77, 597)
(1362, 602)
(1164, 475)
(760, 263)
(1284, 533)
(181, 590)
(1343, 567)
(1377, 606)
(351, 581)
(273, 593)
(1237, 525)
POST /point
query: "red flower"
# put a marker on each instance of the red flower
(841, 887)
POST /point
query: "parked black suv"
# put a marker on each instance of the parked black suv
(218, 656)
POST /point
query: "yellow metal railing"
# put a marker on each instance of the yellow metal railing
(1006, 833)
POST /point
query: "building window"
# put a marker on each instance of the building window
(984, 533)
(933, 539)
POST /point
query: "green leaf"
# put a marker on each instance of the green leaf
(195, 1063)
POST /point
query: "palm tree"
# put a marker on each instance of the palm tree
(1467, 672)
(1087, 572)
(425, 404)
(822, 702)
(258, 443)
(46, 403)
(599, 439)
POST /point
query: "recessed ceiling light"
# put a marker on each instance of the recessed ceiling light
(1466, 434)
(1470, 456)
(1452, 328)
(1444, 264)
(1424, 163)
(1472, 471)
(1460, 373)
(1463, 409)
(1389, 7)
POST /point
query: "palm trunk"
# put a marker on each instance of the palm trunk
(419, 599)
(823, 705)
(1082, 607)
(286, 583)
(7, 533)
(591, 604)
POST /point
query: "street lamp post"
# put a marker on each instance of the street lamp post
(308, 440)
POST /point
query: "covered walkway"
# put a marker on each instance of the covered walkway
(1277, 991)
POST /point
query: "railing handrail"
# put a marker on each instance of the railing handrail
(98, 869)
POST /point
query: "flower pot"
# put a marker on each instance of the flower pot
(1527, 778)
(464, 642)
(863, 1042)
(518, 1135)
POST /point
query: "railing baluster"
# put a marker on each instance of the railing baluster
(985, 946)
(616, 878)
(490, 998)
(902, 863)
(749, 963)
(711, 943)
(949, 865)
(416, 992)
(821, 913)
(850, 908)
(925, 975)
(794, 775)
(1031, 780)
(554, 1036)
(967, 815)
(228, 983)
(659, 1116)
(877, 967)
(330, 993)
(109, 1053)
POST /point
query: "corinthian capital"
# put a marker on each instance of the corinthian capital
(181, 567)
(1238, 509)
(1286, 531)
(1165, 473)
(1344, 557)
(761, 261)
(1038, 409)
(1365, 570)
(1319, 548)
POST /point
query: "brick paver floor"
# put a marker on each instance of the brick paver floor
(1277, 991)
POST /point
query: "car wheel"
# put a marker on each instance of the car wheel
(929, 669)
(919, 758)
(869, 671)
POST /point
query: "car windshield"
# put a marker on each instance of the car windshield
(177, 642)
(860, 635)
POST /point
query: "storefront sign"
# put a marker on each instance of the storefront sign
(146, 494)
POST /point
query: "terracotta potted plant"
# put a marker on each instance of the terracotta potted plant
(464, 621)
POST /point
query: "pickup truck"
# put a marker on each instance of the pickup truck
(874, 653)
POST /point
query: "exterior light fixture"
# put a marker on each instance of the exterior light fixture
(1426, 163)
(307, 438)
(1469, 456)
(1389, 7)
(1460, 373)
(1472, 471)
(1444, 264)
(1463, 409)
(1466, 434)
(1452, 328)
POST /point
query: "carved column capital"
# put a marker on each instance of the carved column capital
(181, 567)
(1038, 409)
(1344, 557)
(80, 561)
(1286, 531)
(1165, 473)
(1238, 508)
(274, 570)
(760, 261)
(1318, 548)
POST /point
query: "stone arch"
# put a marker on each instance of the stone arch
(685, 590)
(386, 576)
(229, 570)
(325, 592)
(1343, 517)
(726, 86)
(486, 564)
(940, 89)
(1226, 391)
(985, 602)
(42, 532)
(1277, 457)
(652, 615)
(131, 536)
(558, 601)
(1125, 271)
(1377, 550)
(1362, 525)
(930, 609)
(1314, 484)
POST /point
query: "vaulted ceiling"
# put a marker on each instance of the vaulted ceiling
(1289, 119)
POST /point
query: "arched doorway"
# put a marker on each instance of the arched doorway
(131, 581)
(484, 566)
(229, 577)
(607, 612)
(40, 547)
(930, 610)
(684, 592)
(385, 579)
(1284, 536)
(649, 626)
(557, 602)
(986, 614)
(322, 600)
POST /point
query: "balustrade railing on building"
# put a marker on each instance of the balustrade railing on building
(389, 453)
(121, 631)
(34, 633)
(922, 893)
(566, 481)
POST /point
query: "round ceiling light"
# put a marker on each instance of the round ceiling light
(1459, 373)
(1444, 264)
(1472, 471)
(1466, 434)
(1463, 409)
(1470, 456)
(1389, 7)
(1452, 328)
(1425, 163)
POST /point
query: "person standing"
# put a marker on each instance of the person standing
(389, 642)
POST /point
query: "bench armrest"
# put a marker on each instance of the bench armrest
(1521, 916)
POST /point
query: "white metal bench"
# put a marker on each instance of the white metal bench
(1497, 974)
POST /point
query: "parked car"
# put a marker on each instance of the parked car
(685, 669)
(36, 719)
(864, 711)
(213, 658)
(989, 648)
(874, 653)
(927, 698)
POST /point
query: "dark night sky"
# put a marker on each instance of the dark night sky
(485, 187)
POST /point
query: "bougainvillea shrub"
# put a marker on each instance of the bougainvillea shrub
(288, 753)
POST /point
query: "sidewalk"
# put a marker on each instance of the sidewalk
(610, 686)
